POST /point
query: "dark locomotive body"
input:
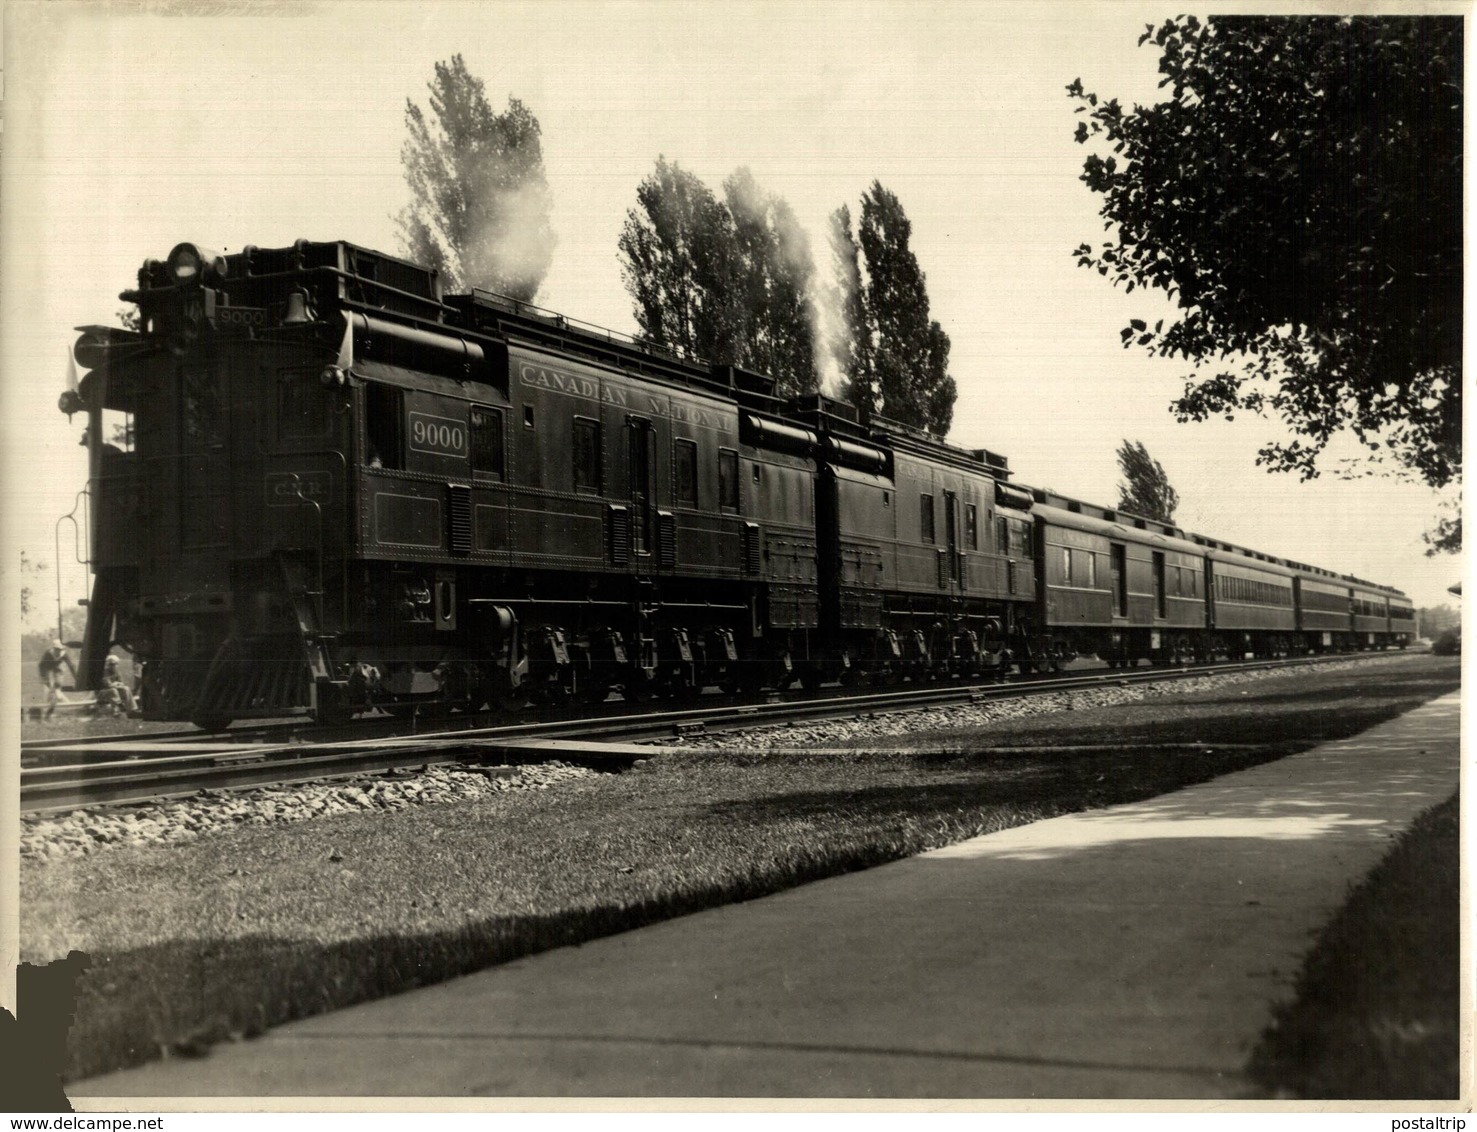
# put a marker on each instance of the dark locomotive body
(318, 485)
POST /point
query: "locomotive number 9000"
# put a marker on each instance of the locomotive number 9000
(441, 435)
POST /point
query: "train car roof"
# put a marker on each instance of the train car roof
(1114, 529)
(1250, 560)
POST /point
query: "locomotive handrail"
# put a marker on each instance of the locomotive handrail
(329, 269)
(81, 499)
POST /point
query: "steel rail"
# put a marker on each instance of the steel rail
(225, 766)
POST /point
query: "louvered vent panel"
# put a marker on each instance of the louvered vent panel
(943, 564)
(751, 548)
(459, 509)
(618, 531)
(666, 538)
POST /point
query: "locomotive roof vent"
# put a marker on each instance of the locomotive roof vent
(990, 459)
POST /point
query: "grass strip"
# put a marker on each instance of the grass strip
(1377, 1013)
(234, 933)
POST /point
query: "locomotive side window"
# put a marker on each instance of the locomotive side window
(728, 481)
(971, 527)
(302, 405)
(684, 453)
(587, 455)
(487, 441)
(1066, 565)
(925, 518)
(1002, 535)
(382, 415)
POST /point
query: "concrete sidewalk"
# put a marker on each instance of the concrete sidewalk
(1129, 952)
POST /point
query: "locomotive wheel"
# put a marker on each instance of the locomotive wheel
(212, 723)
(810, 678)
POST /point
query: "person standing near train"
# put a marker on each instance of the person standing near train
(50, 666)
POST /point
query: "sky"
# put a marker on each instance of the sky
(130, 127)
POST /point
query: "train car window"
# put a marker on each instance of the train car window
(1066, 565)
(758, 473)
(1002, 536)
(587, 455)
(685, 456)
(487, 441)
(925, 518)
(1091, 560)
(527, 416)
(728, 480)
(302, 405)
(971, 527)
(382, 404)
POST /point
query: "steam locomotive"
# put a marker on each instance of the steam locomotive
(319, 485)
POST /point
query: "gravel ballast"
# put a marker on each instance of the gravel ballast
(80, 832)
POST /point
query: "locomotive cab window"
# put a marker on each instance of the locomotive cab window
(587, 455)
(684, 454)
(383, 446)
(487, 442)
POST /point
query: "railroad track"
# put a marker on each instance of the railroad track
(149, 768)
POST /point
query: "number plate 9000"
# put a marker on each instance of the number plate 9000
(440, 435)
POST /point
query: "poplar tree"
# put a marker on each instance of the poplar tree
(897, 360)
(679, 264)
(1145, 488)
(480, 200)
(728, 281)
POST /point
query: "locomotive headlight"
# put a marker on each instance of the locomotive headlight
(190, 265)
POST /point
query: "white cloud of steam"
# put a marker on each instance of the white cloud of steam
(825, 324)
(829, 300)
(516, 241)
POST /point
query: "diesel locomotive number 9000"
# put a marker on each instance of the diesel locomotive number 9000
(441, 435)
